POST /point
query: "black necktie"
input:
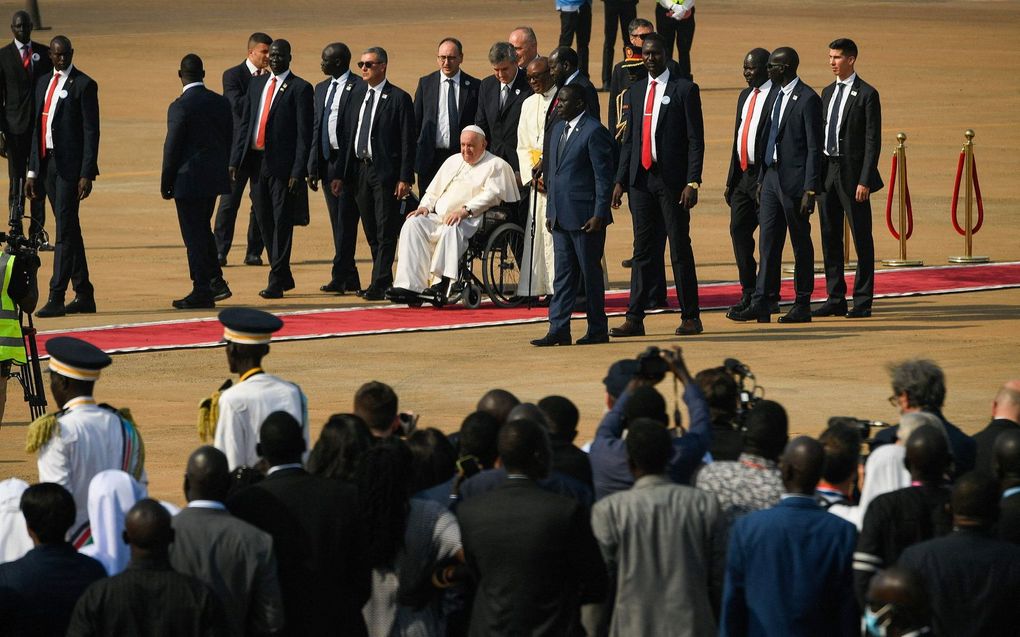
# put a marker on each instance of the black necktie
(326, 146)
(770, 147)
(453, 117)
(832, 137)
(503, 93)
(366, 126)
(563, 142)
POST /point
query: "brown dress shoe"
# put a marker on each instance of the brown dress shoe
(629, 328)
(690, 327)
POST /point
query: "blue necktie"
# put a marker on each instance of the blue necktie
(832, 137)
(770, 147)
(326, 146)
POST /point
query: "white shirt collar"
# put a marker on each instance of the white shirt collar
(378, 87)
(455, 77)
(792, 85)
(848, 82)
(662, 79)
(21, 45)
(192, 85)
(66, 72)
(551, 93)
(764, 88)
(573, 123)
(281, 467)
(512, 80)
(252, 69)
(282, 77)
(572, 76)
(343, 79)
(207, 504)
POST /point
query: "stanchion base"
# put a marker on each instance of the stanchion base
(790, 269)
(902, 263)
(966, 259)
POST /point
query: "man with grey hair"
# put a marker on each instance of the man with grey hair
(525, 43)
(920, 385)
(1005, 417)
(499, 104)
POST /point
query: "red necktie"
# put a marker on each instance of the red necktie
(260, 139)
(26, 58)
(46, 112)
(747, 128)
(646, 129)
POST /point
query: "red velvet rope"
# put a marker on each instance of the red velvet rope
(977, 192)
(889, 201)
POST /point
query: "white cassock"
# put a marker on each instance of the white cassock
(537, 272)
(243, 409)
(430, 247)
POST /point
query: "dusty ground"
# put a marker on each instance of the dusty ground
(941, 67)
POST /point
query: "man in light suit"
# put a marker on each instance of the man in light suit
(660, 169)
(789, 180)
(853, 142)
(444, 103)
(273, 142)
(578, 175)
(63, 165)
(232, 557)
(195, 158)
(330, 131)
(789, 568)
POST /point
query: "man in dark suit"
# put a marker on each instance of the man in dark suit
(1005, 417)
(853, 141)
(314, 522)
(231, 556)
(745, 162)
(788, 179)
(788, 568)
(333, 104)
(379, 163)
(620, 12)
(578, 177)
(444, 103)
(563, 65)
(195, 158)
(39, 591)
(62, 166)
(531, 551)
(235, 88)
(660, 168)
(22, 63)
(499, 104)
(674, 19)
(1006, 468)
(273, 144)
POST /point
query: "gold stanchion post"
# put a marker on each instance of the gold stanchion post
(901, 175)
(968, 190)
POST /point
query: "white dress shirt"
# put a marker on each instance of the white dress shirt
(207, 504)
(759, 109)
(836, 110)
(280, 79)
(21, 46)
(443, 119)
(573, 126)
(251, 67)
(192, 85)
(58, 94)
(376, 97)
(334, 109)
(660, 91)
(784, 95)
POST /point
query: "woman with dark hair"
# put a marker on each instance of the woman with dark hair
(343, 440)
(406, 540)
(434, 458)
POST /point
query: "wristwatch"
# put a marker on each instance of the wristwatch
(809, 193)
(468, 211)
(695, 185)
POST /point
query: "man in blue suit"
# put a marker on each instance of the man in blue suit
(789, 569)
(578, 182)
(195, 158)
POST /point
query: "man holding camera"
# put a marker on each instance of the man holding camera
(18, 293)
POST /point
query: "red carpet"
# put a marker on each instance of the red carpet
(357, 321)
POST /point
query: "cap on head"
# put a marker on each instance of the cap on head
(477, 130)
(246, 326)
(75, 358)
(620, 373)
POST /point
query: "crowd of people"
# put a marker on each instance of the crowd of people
(723, 525)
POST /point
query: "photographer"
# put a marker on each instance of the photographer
(19, 292)
(608, 451)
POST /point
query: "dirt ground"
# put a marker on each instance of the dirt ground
(941, 67)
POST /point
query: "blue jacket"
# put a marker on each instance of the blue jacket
(580, 183)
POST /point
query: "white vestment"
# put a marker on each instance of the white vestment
(14, 538)
(243, 409)
(430, 247)
(537, 272)
(111, 495)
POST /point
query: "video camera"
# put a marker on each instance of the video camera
(862, 426)
(750, 391)
(17, 243)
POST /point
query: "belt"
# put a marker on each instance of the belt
(365, 160)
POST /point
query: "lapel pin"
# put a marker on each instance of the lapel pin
(35, 57)
(63, 94)
(385, 96)
(665, 100)
(517, 92)
(467, 82)
(795, 97)
(853, 92)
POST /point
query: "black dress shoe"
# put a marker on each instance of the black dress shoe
(253, 259)
(194, 302)
(750, 313)
(270, 293)
(797, 314)
(550, 340)
(220, 290)
(774, 307)
(372, 294)
(859, 312)
(81, 305)
(53, 307)
(690, 327)
(332, 287)
(588, 339)
(629, 328)
(830, 308)
(740, 306)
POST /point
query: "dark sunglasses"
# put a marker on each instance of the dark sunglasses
(641, 36)
(368, 65)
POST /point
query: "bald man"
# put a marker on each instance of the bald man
(1006, 466)
(525, 43)
(898, 604)
(1005, 417)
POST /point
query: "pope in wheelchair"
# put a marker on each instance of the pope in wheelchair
(435, 235)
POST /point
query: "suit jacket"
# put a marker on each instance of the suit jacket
(392, 135)
(500, 125)
(236, 560)
(556, 482)
(318, 166)
(789, 572)
(733, 176)
(799, 143)
(317, 538)
(985, 441)
(197, 148)
(534, 557)
(235, 88)
(17, 87)
(679, 134)
(426, 115)
(860, 134)
(288, 129)
(75, 127)
(579, 182)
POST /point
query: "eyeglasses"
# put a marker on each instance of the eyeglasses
(535, 78)
(447, 58)
(368, 65)
(894, 400)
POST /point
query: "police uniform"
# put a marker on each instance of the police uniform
(242, 407)
(83, 438)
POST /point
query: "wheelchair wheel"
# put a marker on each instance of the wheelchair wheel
(501, 270)
(472, 297)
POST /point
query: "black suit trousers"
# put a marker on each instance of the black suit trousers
(778, 213)
(380, 216)
(836, 203)
(616, 13)
(274, 211)
(578, 256)
(343, 219)
(19, 147)
(69, 263)
(226, 216)
(658, 215)
(680, 32)
(577, 23)
(194, 216)
(743, 223)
